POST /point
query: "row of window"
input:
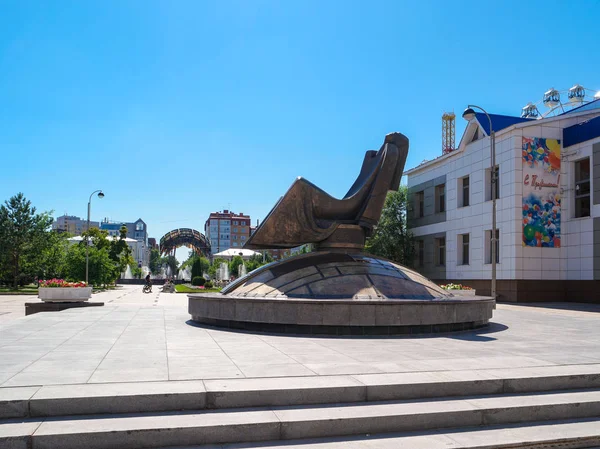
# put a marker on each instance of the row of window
(493, 192)
(582, 191)
(242, 237)
(463, 247)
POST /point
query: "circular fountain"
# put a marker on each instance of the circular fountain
(339, 293)
(338, 289)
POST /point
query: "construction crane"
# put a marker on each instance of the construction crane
(448, 126)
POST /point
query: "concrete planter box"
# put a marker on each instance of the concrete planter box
(66, 294)
(462, 292)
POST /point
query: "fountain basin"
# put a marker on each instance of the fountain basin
(339, 293)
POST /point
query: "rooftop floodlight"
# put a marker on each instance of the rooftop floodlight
(469, 114)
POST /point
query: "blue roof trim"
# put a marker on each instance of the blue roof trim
(499, 122)
(581, 132)
(595, 104)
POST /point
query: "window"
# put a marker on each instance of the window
(235, 229)
(463, 187)
(582, 188)
(139, 226)
(492, 190)
(496, 184)
(235, 223)
(488, 246)
(234, 243)
(420, 204)
(440, 198)
(440, 251)
(463, 249)
(421, 252)
(243, 237)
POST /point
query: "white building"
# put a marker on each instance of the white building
(139, 250)
(548, 208)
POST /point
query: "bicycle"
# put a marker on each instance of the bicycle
(147, 288)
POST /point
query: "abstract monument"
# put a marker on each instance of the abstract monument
(337, 289)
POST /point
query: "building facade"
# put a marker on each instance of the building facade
(152, 243)
(226, 230)
(136, 230)
(548, 208)
(72, 224)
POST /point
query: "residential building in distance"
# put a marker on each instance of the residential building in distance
(72, 224)
(226, 230)
(152, 243)
(547, 193)
(136, 230)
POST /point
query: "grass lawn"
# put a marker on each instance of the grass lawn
(25, 290)
(180, 288)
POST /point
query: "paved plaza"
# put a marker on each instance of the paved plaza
(138, 338)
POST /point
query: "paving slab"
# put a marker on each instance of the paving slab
(145, 338)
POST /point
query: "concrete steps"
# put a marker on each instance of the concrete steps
(256, 411)
(82, 399)
(148, 430)
(551, 434)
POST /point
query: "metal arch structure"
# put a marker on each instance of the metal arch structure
(184, 237)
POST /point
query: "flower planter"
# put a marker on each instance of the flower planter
(461, 292)
(65, 294)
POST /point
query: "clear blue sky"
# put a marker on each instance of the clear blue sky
(179, 108)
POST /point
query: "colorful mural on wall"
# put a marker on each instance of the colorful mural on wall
(541, 192)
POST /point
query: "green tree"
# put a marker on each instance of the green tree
(257, 261)
(51, 261)
(120, 252)
(200, 265)
(234, 265)
(136, 271)
(172, 263)
(214, 266)
(22, 233)
(102, 270)
(391, 238)
(155, 261)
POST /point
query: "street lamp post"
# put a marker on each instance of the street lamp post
(469, 115)
(87, 237)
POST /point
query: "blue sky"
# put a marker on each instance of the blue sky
(179, 108)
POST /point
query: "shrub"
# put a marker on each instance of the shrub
(198, 281)
(208, 284)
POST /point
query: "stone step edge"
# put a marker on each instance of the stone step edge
(81, 399)
(562, 434)
(218, 427)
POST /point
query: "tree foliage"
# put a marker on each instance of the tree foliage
(155, 261)
(172, 263)
(391, 238)
(200, 265)
(23, 235)
(234, 265)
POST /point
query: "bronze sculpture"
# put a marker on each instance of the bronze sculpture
(308, 214)
(338, 289)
